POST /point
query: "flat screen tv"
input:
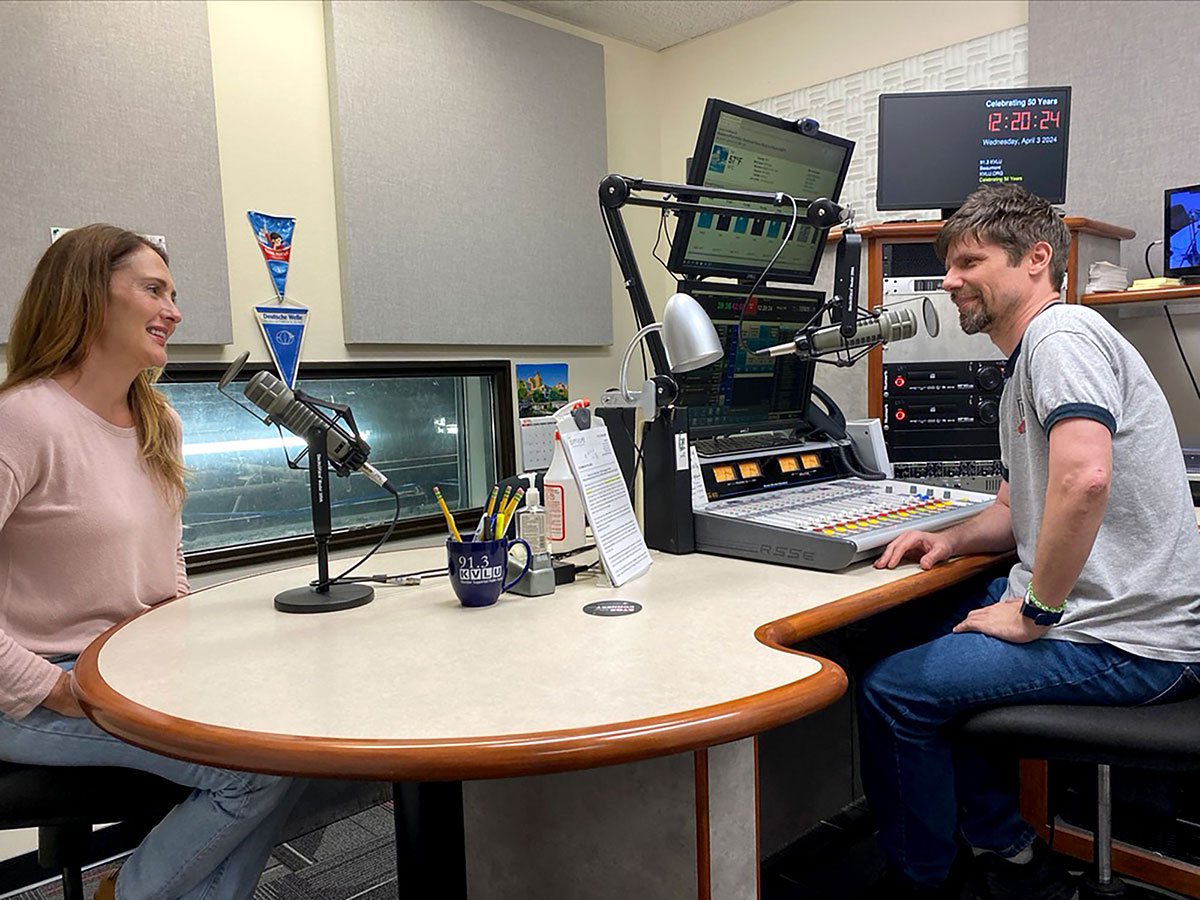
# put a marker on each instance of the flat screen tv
(743, 149)
(1181, 208)
(936, 148)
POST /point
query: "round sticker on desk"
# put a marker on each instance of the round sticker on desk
(612, 608)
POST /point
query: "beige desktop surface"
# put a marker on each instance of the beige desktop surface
(413, 663)
(413, 671)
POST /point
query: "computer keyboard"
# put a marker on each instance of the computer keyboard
(739, 443)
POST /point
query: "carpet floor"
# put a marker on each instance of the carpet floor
(351, 859)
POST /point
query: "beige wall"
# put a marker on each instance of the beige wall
(807, 43)
(275, 145)
(276, 150)
(276, 155)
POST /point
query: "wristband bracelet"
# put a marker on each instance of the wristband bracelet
(1032, 600)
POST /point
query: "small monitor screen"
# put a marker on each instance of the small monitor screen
(742, 149)
(745, 392)
(1181, 256)
(936, 148)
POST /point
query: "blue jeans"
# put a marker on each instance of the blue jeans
(212, 846)
(923, 788)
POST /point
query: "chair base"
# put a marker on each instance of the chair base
(1090, 888)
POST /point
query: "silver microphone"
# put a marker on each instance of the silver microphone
(892, 324)
(282, 407)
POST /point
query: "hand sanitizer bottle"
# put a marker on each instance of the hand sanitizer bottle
(531, 525)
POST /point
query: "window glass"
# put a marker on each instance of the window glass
(423, 430)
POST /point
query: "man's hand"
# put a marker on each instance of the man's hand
(61, 698)
(1002, 620)
(931, 546)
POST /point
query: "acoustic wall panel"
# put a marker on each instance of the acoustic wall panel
(1134, 107)
(849, 106)
(469, 145)
(108, 116)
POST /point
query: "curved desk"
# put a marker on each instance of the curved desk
(414, 687)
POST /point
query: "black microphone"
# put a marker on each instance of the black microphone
(888, 325)
(347, 453)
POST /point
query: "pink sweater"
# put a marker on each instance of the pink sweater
(86, 537)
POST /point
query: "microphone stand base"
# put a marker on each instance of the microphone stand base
(310, 600)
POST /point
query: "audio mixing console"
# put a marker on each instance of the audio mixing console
(797, 507)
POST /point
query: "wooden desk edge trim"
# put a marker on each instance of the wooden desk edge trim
(789, 630)
(514, 754)
(448, 758)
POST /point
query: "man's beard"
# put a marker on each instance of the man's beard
(974, 316)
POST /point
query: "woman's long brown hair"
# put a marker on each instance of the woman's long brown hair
(60, 315)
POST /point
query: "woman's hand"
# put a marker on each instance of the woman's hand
(61, 698)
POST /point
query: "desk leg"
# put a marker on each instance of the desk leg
(430, 850)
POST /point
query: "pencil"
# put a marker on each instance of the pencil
(512, 504)
(507, 525)
(487, 512)
(497, 512)
(505, 518)
(446, 512)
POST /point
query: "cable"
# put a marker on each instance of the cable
(568, 553)
(1150, 271)
(634, 444)
(387, 534)
(741, 339)
(856, 466)
(662, 229)
(406, 578)
(1182, 355)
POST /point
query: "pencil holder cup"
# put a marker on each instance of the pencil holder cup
(478, 569)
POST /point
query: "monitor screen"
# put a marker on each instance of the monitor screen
(936, 148)
(744, 392)
(742, 149)
(1182, 222)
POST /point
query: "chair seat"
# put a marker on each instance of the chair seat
(34, 796)
(1164, 737)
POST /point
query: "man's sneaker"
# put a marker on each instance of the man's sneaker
(1042, 878)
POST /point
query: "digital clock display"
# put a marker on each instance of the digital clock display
(936, 148)
(1022, 120)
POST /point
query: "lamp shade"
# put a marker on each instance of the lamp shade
(688, 334)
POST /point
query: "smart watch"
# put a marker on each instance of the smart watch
(1041, 614)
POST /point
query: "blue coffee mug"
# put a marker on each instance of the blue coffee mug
(477, 569)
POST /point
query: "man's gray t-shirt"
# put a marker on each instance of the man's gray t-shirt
(1140, 587)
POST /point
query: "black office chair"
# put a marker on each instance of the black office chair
(1162, 738)
(64, 802)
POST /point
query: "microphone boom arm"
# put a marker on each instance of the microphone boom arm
(617, 191)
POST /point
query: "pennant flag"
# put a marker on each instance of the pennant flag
(274, 236)
(283, 330)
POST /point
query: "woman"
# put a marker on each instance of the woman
(91, 486)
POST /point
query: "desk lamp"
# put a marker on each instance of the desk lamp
(691, 343)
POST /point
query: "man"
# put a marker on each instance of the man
(1101, 606)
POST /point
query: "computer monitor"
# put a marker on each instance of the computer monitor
(936, 148)
(742, 149)
(1181, 222)
(743, 392)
